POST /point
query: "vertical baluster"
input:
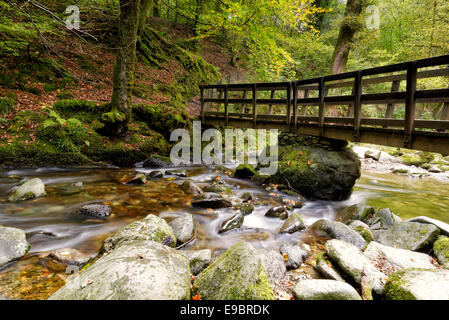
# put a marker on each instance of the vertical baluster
(295, 106)
(321, 110)
(254, 88)
(410, 104)
(289, 103)
(357, 105)
(226, 105)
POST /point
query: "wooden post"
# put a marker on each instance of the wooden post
(445, 111)
(203, 111)
(304, 108)
(410, 105)
(254, 89)
(270, 107)
(289, 103)
(321, 110)
(295, 106)
(390, 107)
(226, 105)
(351, 106)
(357, 105)
(242, 107)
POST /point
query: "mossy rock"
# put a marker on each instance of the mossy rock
(441, 251)
(237, 275)
(412, 159)
(245, 171)
(68, 107)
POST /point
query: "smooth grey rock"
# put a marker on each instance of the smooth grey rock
(96, 211)
(381, 219)
(354, 212)
(352, 261)
(13, 244)
(362, 229)
(444, 227)
(277, 212)
(198, 259)
(273, 264)
(183, 227)
(150, 228)
(190, 187)
(389, 259)
(441, 251)
(210, 200)
(137, 270)
(292, 224)
(372, 155)
(338, 230)
(326, 269)
(294, 255)
(233, 222)
(238, 274)
(419, 284)
(31, 189)
(69, 256)
(319, 289)
(408, 235)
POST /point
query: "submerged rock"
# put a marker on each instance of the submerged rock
(210, 200)
(31, 189)
(246, 197)
(277, 212)
(137, 270)
(317, 173)
(71, 189)
(412, 284)
(293, 254)
(441, 251)
(352, 261)
(408, 235)
(190, 187)
(338, 230)
(150, 228)
(198, 259)
(319, 289)
(292, 224)
(233, 222)
(13, 244)
(238, 274)
(156, 174)
(96, 211)
(137, 180)
(245, 208)
(69, 256)
(354, 212)
(183, 227)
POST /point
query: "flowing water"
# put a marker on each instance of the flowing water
(51, 222)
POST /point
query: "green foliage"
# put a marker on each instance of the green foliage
(8, 104)
(70, 107)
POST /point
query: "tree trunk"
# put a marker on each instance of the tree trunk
(146, 7)
(156, 10)
(117, 119)
(349, 26)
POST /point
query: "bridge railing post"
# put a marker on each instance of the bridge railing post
(289, 103)
(226, 105)
(321, 111)
(295, 105)
(203, 110)
(410, 104)
(357, 105)
(254, 89)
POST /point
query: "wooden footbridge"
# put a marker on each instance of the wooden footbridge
(340, 106)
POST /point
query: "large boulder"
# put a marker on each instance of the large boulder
(210, 200)
(319, 289)
(238, 274)
(441, 251)
(150, 228)
(327, 270)
(408, 235)
(31, 189)
(338, 230)
(183, 227)
(13, 244)
(355, 264)
(137, 270)
(418, 284)
(390, 260)
(318, 173)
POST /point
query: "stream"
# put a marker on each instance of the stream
(51, 222)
